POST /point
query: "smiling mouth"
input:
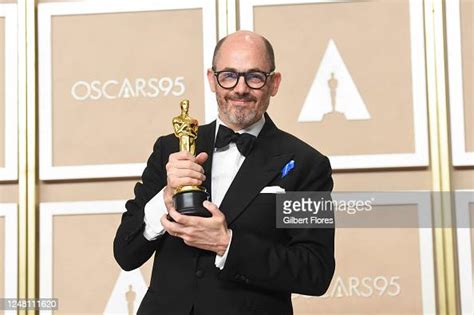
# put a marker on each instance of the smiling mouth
(240, 102)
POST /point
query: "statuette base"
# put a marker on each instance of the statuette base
(190, 203)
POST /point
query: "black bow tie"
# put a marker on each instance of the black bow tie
(244, 141)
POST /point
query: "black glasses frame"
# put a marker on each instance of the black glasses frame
(243, 74)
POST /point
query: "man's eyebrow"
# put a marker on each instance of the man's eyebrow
(229, 69)
(255, 69)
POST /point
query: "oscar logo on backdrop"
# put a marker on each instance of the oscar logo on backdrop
(343, 99)
(332, 84)
(130, 296)
(127, 293)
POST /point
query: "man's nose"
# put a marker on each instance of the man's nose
(241, 86)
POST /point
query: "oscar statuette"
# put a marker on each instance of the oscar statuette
(188, 199)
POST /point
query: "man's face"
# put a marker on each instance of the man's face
(242, 106)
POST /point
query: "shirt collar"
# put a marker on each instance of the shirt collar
(253, 129)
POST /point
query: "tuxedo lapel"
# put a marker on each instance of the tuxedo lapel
(262, 165)
(205, 143)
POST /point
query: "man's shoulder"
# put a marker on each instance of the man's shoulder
(207, 127)
(306, 156)
(293, 144)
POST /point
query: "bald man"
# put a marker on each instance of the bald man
(237, 261)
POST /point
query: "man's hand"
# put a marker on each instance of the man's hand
(209, 234)
(183, 169)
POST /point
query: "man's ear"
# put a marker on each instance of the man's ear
(276, 83)
(211, 79)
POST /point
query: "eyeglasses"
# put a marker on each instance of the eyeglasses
(254, 79)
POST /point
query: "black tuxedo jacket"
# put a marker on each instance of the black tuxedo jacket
(264, 265)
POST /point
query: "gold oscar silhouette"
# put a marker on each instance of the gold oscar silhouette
(188, 199)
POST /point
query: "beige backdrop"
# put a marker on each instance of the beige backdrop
(376, 52)
(373, 22)
(374, 41)
(2, 92)
(2, 258)
(463, 177)
(97, 47)
(467, 44)
(8, 191)
(85, 271)
(391, 253)
(471, 216)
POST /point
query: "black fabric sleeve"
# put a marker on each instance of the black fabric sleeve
(131, 248)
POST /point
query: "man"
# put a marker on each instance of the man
(237, 261)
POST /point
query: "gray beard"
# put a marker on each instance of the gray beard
(241, 120)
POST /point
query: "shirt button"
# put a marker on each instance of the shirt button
(199, 273)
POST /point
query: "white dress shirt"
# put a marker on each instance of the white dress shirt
(226, 163)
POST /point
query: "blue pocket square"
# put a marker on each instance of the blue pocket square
(287, 168)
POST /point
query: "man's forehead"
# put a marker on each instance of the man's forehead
(241, 50)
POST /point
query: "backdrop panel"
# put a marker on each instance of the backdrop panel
(459, 26)
(76, 248)
(464, 201)
(3, 119)
(390, 270)
(112, 75)
(467, 39)
(353, 77)
(8, 92)
(8, 252)
(2, 262)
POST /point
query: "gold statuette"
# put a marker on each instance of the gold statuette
(186, 128)
(188, 199)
